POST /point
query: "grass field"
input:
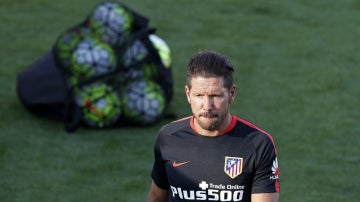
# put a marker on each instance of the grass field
(297, 74)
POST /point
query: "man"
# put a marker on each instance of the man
(213, 155)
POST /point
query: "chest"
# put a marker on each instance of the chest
(224, 161)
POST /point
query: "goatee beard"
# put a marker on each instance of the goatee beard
(213, 126)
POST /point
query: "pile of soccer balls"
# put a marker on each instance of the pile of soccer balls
(105, 66)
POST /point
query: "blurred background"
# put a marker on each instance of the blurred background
(297, 77)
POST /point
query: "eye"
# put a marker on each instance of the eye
(197, 94)
(216, 95)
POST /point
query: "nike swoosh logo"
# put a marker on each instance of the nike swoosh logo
(179, 164)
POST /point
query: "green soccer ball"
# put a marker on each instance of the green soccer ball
(66, 44)
(111, 22)
(144, 102)
(92, 58)
(162, 48)
(134, 53)
(150, 71)
(100, 104)
(147, 71)
(137, 51)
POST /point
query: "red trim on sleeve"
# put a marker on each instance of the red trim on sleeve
(277, 184)
(257, 128)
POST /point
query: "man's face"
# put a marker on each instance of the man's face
(210, 102)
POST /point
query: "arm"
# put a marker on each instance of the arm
(265, 197)
(266, 186)
(157, 194)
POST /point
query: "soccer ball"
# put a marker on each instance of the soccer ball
(150, 71)
(66, 43)
(92, 58)
(100, 103)
(137, 51)
(111, 22)
(134, 64)
(144, 102)
(134, 53)
(147, 71)
(162, 48)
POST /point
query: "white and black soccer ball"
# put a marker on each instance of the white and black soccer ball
(132, 60)
(134, 53)
(66, 44)
(144, 102)
(111, 22)
(137, 51)
(91, 58)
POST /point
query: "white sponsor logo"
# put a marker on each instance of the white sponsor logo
(275, 170)
(210, 192)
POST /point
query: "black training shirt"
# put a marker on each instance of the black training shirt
(229, 167)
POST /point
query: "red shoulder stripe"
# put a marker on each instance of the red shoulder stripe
(259, 129)
(182, 119)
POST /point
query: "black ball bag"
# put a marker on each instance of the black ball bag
(42, 88)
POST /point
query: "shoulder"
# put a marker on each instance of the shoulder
(257, 135)
(173, 129)
(175, 126)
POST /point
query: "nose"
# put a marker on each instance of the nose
(208, 103)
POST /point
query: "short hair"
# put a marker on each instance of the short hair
(210, 64)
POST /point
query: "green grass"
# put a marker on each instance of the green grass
(297, 77)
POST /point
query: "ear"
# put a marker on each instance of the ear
(187, 92)
(232, 94)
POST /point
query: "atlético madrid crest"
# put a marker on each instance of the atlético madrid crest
(233, 166)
